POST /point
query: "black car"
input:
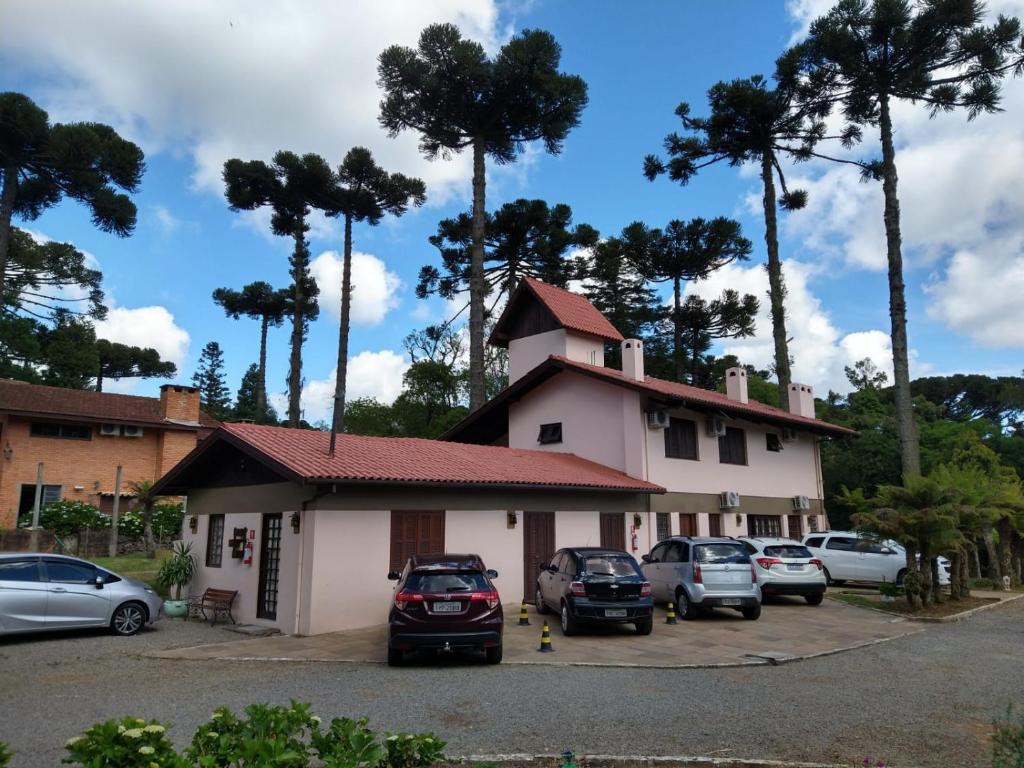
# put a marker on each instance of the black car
(445, 603)
(595, 585)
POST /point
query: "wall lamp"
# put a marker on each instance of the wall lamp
(296, 522)
(8, 451)
(193, 523)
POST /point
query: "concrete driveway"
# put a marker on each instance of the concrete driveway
(788, 629)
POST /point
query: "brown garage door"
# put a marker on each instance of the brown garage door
(538, 547)
(416, 532)
(613, 530)
(796, 527)
(687, 524)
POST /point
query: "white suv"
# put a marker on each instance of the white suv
(786, 567)
(852, 556)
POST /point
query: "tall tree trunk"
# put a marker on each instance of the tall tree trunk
(261, 375)
(477, 286)
(975, 561)
(912, 579)
(7, 196)
(147, 531)
(956, 558)
(926, 574)
(346, 309)
(677, 330)
(298, 329)
(695, 359)
(933, 566)
(910, 449)
(776, 283)
(994, 572)
(965, 577)
(1005, 527)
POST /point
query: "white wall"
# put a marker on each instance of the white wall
(577, 529)
(527, 353)
(487, 534)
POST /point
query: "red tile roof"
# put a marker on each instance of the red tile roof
(39, 400)
(303, 453)
(572, 310)
(704, 397)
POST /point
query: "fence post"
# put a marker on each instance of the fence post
(112, 548)
(34, 536)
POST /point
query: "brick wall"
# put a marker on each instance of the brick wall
(180, 403)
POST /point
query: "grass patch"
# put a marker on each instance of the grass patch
(136, 566)
(901, 608)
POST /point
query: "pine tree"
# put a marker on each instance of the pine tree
(247, 402)
(701, 322)
(209, 378)
(121, 361)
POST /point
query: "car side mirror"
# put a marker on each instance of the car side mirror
(393, 575)
(100, 581)
(542, 566)
(646, 558)
(491, 573)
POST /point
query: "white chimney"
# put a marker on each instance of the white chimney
(736, 384)
(633, 359)
(801, 400)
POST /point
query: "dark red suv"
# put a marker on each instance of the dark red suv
(444, 603)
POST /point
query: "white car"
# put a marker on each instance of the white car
(852, 556)
(786, 567)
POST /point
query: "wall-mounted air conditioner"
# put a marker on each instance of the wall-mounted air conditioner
(131, 430)
(110, 430)
(728, 500)
(801, 503)
(657, 419)
(716, 427)
(789, 435)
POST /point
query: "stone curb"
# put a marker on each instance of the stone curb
(638, 761)
(935, 619)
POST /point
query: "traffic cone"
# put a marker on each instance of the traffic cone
(671, 617)
(524, 617)
(545, 640)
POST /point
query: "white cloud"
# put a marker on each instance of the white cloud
(374, 289)
(235, 78)
(146, 327)
(803, 13)
(167, 222)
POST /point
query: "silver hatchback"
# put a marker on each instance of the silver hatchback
(701, 573)
(43, 592)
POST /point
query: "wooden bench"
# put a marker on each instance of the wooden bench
(217, 601)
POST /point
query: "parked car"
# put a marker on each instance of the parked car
(445, 603)
(594, 585)
(854, 556)
(786, 567)
(945, 566)
(44, 592)
(701, 573)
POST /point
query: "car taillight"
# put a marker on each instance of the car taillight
(402, 599)
(576, 589)
(645, 589)
(768, 562)
(818, 563)
(753, 573)
(697, 578)
(491, 598)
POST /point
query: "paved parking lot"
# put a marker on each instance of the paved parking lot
(788, 628)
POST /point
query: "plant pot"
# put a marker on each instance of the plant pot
(175, 608)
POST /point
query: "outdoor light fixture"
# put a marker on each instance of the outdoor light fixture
(193, 523)
(739, 519)
(511, 519)
(637, 521)
(8, 451)
(296, 522)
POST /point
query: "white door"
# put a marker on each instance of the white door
(842, 559)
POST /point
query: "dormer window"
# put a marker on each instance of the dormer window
(550, 433)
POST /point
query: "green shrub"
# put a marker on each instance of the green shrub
(127, 743)
(129, 525)
(68, 517)
(412, 750)
(5, 755)
(167, 519)
(1008, 742)
(268, 735)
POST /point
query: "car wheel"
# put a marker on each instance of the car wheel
(569, 624)
(833, 582)
(541, 606)
(751, 614)
(814, 599)
(128, 619)
(494, 655)
(395, 657)
(644, 627)
(684, 608)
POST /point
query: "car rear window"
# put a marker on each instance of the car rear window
(432, 583)
(720, 553)
(610, 565)
(787, 550)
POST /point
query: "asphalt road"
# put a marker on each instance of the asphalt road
(923, 700)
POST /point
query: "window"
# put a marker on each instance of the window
(812, 523)
(732, 447)
(672, 555)
(550, 433)
(67, 431)
(787, 550)
(720, 553)
(19, 570)
(664, 525)
(26, 503)
(569, 564)
(415, 533)
(441, 583)
(764, 525)
(815, 542)
(70, 573)
(681, 439)
(684, 552)
(215, 541)
(841, 543)
(611, 565)
(658, 553)
(773, 442)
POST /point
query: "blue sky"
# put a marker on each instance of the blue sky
(195, 84)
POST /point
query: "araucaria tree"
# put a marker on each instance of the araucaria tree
(121, 361)
(749, 122)
(292, 186)
(41, 164)
(686, 251)
(259, 301)
(209, 378)
(455, 97)
(699, 323)
(362, 192)
(868, 56)
(246, 406)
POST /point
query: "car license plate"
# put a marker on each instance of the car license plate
(730, 601)
(615, 613)
(794, 567)
(452, 607)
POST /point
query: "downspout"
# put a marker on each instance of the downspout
(820, 483)
(321, 490)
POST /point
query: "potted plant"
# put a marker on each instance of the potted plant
(177, 571)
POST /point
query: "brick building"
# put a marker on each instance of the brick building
(81, 437)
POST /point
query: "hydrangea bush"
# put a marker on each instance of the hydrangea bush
(68, 517)
(128, 743)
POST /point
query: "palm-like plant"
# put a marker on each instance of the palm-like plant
(146, 499)
(179, 569)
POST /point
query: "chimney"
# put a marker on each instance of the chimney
(633, 359)
(179, 403)
(736, 384)
(801, 400)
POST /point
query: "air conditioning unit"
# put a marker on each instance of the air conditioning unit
(657, 419)
(789, 435)
(716, 427)
(801, 503)
(728, 500)
(110, 430)
(131, 430)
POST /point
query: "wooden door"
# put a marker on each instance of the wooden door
(687, 524)
(270, 566)
(796, 527)
(538, 547)
(715, 525)
(415, 532)
(613, 530)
